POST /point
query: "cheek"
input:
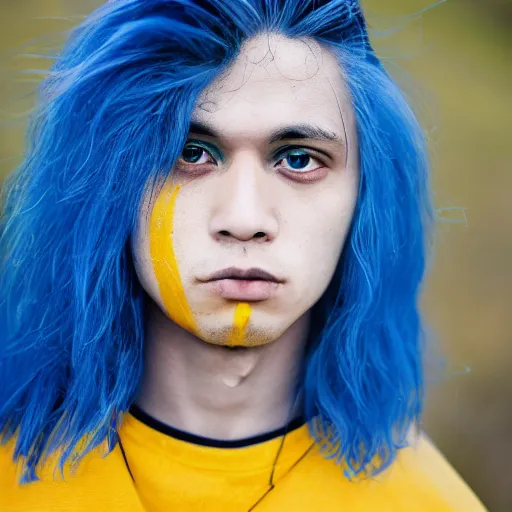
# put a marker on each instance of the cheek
(162, 260)
(325, 233)
(321, 257)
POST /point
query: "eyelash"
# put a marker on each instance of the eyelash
(281, 154)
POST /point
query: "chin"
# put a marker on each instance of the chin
(254, 336)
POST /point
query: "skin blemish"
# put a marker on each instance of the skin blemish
(161, 229)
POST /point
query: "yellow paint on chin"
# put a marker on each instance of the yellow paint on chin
(161, 229)
(240, 321)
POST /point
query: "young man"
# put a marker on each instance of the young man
(211, 260)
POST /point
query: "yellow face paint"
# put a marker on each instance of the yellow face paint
(164, 261)
(161, 229)
(240, 321)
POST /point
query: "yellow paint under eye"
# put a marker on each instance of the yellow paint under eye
(240, 321)
(165, 266)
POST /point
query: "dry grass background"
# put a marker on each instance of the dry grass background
(457, 55)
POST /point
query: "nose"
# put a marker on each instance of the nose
(243, 209)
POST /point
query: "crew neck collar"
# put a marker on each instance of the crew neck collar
(147, 434)
(181, 435)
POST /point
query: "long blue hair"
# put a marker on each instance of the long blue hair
(113, 115)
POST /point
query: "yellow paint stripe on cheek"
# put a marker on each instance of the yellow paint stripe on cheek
(240, 321)
(165, 266)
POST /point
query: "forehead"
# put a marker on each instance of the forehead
(276, 81)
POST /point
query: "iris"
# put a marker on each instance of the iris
(297, 159)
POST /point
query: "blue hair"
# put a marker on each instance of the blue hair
(113, 116)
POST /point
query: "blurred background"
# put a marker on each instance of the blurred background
(454, 61)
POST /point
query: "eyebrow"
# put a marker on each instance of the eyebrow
(299, 131)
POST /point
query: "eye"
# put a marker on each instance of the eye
(193, 154)
(300, 164)
(298, 160)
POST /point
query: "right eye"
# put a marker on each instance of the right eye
(193, 154)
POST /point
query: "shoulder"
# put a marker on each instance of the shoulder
(98, 483)
(422, 466)
(420, 479)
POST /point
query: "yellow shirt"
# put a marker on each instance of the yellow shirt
(172, 474)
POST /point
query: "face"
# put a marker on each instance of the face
(244, 237)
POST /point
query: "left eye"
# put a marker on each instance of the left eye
(298, 160)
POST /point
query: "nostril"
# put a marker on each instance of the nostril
(241, 235)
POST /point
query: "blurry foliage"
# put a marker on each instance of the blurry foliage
(458, 54)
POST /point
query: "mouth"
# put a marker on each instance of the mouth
(248, 285)
(251, 274)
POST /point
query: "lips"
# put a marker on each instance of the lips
(253, 284)
(250, 274)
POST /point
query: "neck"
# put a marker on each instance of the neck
(218, 392)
